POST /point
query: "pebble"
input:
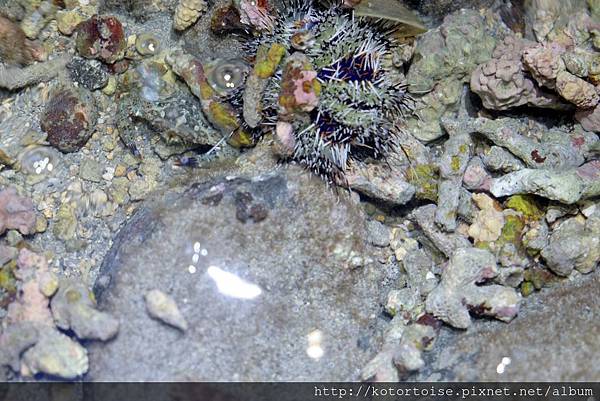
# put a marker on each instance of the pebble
(162, 307)
(91, 170)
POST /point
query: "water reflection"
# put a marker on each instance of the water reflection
(231, 285)
(315, 339)
(502, 365)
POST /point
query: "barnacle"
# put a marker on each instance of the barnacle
(357, 93)
(38, 160)
(226, 76)
(147, 44)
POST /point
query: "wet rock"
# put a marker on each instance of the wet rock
(577, 91)
(446, 242)
(14, 340)
(90, 74)
(37, 17)
(502, 82)
(162, 307)
(13, 78)
(476, 177)
(55, 355)
(460, 291)
(380, 182)
(551, 339)
(74, 308)
(65, 224)
(453, 163)
(401, 354)
(379, 234)
(69, 118)
(454, 49)
(91, 170)
(419, 268)
(14, 47)
(249, 291)
(402, 301)
(497, 158)
(101, 38)
(68, 20)
(155, 102)
(573, 245)
(424, 177)
(16, 212)
(566, 186)
(48, 351)
(544, 62)
(7, 253)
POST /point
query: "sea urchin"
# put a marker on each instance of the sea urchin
(346, 95)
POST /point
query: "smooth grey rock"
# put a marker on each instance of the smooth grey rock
(262, 271)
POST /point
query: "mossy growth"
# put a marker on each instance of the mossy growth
(455, 163)
(527, 288)
(223, 117)
(512, 229)
(511, 233)
(539, 277)
(424, 177)
(8, 281)
(527, 205)
(241, 139)
(268, 59)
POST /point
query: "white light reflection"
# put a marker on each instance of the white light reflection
(231, 285)
(315, 350)
(502, 365)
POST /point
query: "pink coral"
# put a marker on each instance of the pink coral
(501, 82)
(31, 305)
(16, 212)
(544, 62)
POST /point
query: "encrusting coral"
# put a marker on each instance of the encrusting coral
(16, 212)
(502, 82)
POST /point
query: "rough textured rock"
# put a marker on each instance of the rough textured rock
(378, 181)
(574, 244)
(73, 307)
(463, 36)
(16, 212)
(447, 243)
(552, 339)
(261, 269)
(69, 118)
(501, 82)
(566, 186)
(460, 290)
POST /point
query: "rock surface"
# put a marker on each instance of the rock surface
(553, 339)
(262, 271)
